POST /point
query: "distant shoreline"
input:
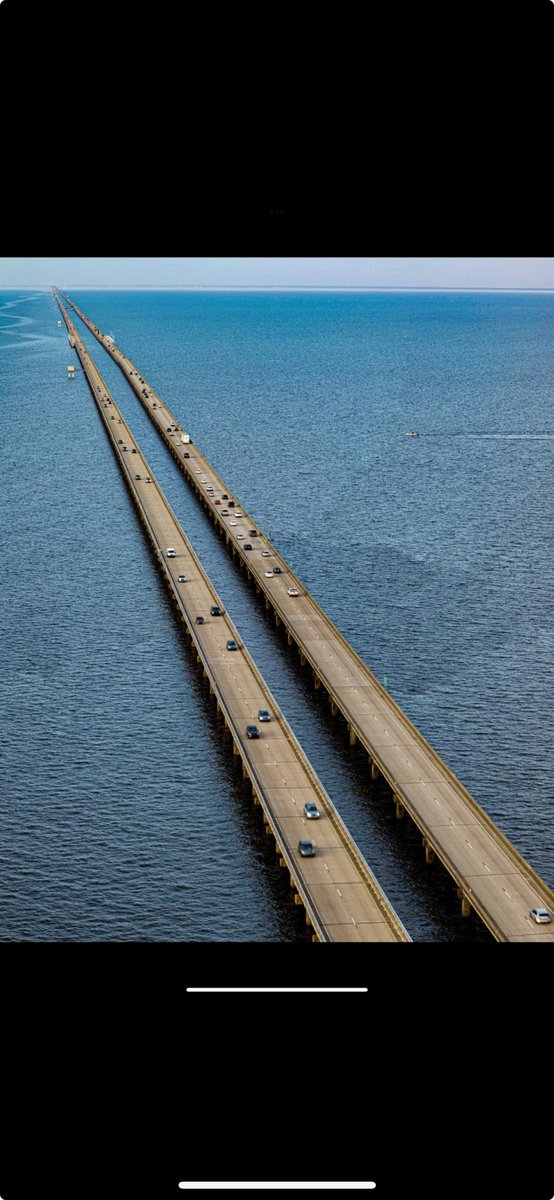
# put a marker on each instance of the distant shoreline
(97, 287)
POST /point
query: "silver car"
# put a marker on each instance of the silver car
(540, 915)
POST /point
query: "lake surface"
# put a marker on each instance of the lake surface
(121, 816)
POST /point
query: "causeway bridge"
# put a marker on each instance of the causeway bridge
(341, 896)
(492, 877)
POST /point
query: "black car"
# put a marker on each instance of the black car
(252, 731)
(231, 644)
(253, 532)
(216, 611)
(247, 546)
(231, 503)
(186, 454)
(224, 496)
(199, 620)
(277, 571)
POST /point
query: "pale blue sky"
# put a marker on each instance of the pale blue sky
(279, 272)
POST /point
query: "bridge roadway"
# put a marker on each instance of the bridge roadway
(492, 876)
(342, 898)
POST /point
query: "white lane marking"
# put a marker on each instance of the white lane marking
(340, 893)
(506, 893)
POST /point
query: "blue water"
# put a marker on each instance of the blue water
(121, 816)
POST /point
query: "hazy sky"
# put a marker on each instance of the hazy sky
(278, 272)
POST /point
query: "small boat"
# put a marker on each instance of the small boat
(411, 434)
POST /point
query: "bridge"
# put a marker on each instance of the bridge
(492, 877)
(341, 896)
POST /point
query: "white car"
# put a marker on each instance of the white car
(265, 554)
(170, 552)
(269, 574)
(232, 522)
(540, 915)
(224, 512)
(293, 592)
(238, 514)
(240, 535)
(181, 579)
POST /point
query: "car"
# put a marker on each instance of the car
(306, 848)
(231, 644)
(148, 479)
(224, 496)
(240, 535)
(231, 503)
(199, 620)
(238, 513)
(277, 571)
(168, 429)
(138, 476)
(265, 554)
(171, 552)
(124, 448)
(293, 592)
(253, 532)
(252, 731)
(269, 574)
(224, 512)
(232, 522)
(311, 810)
(247, 546)
(197, 472)
(112, 418)
(203, 481)
(120, 441)
(263, 715)
(540, 915)
(216, 611)
(186, 454)
(217, 501)
(181, 579)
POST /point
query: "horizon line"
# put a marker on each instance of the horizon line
(201, 287)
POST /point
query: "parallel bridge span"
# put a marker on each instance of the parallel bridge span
(492, 877)
(341, 896)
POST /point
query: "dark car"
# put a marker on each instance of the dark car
(137, 476)
(252, 731)
(253, 532)
(247, 546)
(199, 620)
(224, 496)
(186, 454)
(263, 715)
(277, 571)
(306, 848)
(216, 611)
(120, 441)
(231, 503)
(231, 644)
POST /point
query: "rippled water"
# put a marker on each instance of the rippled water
(122, 818)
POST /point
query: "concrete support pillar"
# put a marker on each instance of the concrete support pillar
(256, 799)
(282, 862)
(466, 907)
(267, 602)
(248, 574)
(352, 735)
(245, 774)
(334, 709)
(289, 638)
(429, 852)
(308, 918)
(317, 682)
(277, 620)
(298, 899)
(236, 751)
(258, 589)
(292, 883)
(374, 771)
(400, 810)
(302, 660)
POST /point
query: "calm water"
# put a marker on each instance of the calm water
(121, 816)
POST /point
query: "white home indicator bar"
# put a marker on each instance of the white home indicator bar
(277, 1186)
